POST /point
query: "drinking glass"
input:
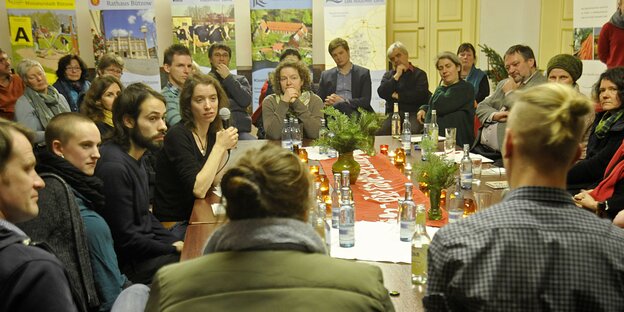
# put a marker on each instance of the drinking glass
(449, 142)
(483, 200)
(477, 162)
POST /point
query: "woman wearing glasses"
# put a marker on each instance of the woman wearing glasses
(292, 98)
(72, 79)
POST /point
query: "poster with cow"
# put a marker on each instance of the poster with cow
(43, 31)
(127, 29)
(275, 26)
(198, 24)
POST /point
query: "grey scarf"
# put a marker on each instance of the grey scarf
(618, 19)
(265, 234)
(46, 105)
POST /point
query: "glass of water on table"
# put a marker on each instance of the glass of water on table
(449, 142)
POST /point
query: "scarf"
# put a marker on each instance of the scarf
(606, 122)
(72, 91)
(89, 187)
(265, 234)
(613, 174)
(108, 117)
(45, 105)
(617, 19)
(474, 78)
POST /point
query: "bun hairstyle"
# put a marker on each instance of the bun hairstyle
(269, 182)
(547, 122)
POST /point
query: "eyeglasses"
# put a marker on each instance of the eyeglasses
(221, 54)
(113, 71)
(72, 68)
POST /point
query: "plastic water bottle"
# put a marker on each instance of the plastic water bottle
(406, 135)
(407, 214)
(287, 142)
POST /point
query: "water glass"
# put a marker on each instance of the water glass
(483, 200)
(449, 142)
(477, 163)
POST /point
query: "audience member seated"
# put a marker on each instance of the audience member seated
(534, 251)
(606, 135)
(193, 153)
(267, 256)
(141, 243)
(32, 278)
(236, 87)
(493, 111)
(178, 64)
(72, 143)
(98, 103)
(347, 86)
(40, 101)
(453, 100)
(72, 80)
(469, 72)
(611, 39)
(290, 55)
(567, 69)
(292, 98)
(11, 87)
(110, 64)
(406, 85)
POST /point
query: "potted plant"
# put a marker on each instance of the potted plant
(438, 173)
(348, 133)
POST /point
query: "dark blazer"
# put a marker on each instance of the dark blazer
(360, 89)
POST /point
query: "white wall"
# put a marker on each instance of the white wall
(508, 22)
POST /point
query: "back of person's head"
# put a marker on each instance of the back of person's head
(289, 51)
(466, 46)
(109, 59)
(300, 67)
(269, 182)
(186, 97)
(62, 127)
(6, 139)
(128, 104)
(337, 42)
(524, 50)
(91, 104)
(570, 63)
(65, 61)
(547, 123)
(398, 45)
(219, 46)
(616, 76)
(175, 49)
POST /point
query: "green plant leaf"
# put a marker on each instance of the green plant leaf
(350, 132)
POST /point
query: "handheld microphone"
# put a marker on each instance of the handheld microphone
(224, 114)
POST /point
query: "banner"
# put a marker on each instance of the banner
(43, 31)
(362, 24)
(198, 24)
(275, 26)
(127, 28)
(589, 16)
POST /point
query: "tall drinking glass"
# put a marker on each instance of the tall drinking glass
(483, 200)
(449, 142)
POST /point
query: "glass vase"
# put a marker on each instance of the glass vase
(347, 162)
(435, 213)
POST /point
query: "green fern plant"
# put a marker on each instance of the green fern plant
(349, 133)
(436, 171)
(496, 67)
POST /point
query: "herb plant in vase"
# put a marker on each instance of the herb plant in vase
(438, 173)
(348, 133)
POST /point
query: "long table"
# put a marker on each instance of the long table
(397, 276)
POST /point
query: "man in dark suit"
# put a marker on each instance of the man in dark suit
(346, 86)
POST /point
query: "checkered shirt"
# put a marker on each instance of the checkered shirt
(534, 251)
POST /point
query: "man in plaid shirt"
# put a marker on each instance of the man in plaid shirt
(534, 251)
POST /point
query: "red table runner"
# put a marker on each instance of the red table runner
(378, 188)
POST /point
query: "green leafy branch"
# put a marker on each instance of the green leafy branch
(436, 171)
(349, 133)
(496, 67)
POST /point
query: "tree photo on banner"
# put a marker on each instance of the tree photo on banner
(42, 31)
(130, 32)
(198, 25)
(277, 25)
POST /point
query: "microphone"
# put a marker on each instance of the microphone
(224, 114)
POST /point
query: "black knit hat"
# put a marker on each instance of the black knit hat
(567, 62)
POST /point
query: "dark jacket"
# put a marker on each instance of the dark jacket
(31, 278)
(588, 172)
(360, 89)
(239, 95)
(412, 87)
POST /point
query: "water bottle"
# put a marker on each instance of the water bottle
(407, 214)
(331, 153)
(287, 142)
(297, 137)
(420, 249)
(335, 198)
(466, 169)
(434, 129)
(406, 135)
(346, 228)
(396, 122)
(323, 149)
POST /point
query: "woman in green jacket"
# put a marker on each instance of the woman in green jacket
(267, 257)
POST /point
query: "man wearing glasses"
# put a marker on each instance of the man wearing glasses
(11, 87)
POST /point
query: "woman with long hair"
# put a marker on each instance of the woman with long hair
(98, 102)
